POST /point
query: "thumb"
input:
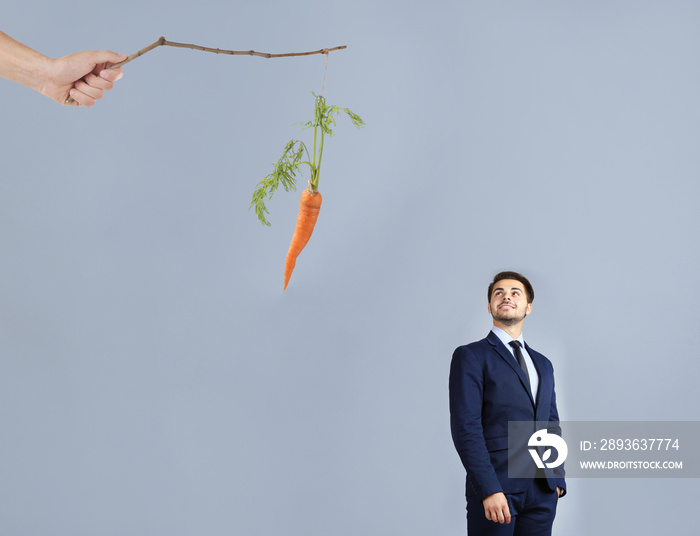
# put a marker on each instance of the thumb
(107, 56)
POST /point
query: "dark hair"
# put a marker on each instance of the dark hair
(518, 277)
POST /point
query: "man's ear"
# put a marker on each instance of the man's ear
(529, 309)
(488, 307)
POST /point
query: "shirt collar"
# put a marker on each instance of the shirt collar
(505, 338)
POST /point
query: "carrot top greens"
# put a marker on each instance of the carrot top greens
(296, 153)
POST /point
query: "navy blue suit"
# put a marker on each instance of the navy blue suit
(487, 390)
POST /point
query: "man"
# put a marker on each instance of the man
(492, 382)
(84, 76)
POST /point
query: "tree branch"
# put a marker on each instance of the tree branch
(163, 42)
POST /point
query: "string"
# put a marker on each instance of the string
(324, 73)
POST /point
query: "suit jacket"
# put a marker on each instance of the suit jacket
(487, 390)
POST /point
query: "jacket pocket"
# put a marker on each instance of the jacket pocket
(497, 443)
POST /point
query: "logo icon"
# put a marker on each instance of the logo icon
(542, 439)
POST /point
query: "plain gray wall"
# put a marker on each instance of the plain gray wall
(155, 380)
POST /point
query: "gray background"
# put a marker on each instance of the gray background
(155, 380)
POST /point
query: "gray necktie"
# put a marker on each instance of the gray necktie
(521, 360)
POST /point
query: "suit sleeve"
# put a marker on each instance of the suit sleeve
(556, 429)
(466, 399)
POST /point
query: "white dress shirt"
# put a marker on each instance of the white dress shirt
(532, 371)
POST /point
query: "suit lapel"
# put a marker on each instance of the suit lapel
(544, 379)
(505, 354)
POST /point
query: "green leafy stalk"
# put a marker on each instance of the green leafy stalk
(284, 173)
(287, 167)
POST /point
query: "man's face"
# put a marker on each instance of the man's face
(508, 303)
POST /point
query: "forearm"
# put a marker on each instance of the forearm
(21, 64)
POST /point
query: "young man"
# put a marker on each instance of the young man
(493, 381)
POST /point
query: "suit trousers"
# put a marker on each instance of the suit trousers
(532, 513)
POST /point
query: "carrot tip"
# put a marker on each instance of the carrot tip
(309, 207)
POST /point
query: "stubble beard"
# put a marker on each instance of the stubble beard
(508, 320)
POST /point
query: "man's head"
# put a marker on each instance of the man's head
(510, 298)
(527, 287)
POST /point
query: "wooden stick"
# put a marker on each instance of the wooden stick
(163, 42)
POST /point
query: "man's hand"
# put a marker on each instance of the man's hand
(496, 508)
(83, 75)
(559, 490)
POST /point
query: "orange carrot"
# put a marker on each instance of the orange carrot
(309, 208)
(284, 174)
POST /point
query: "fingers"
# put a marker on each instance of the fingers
(111, 75)
(105, 80)
(91, 87)
(98, 83)
(86, 93)
(498, 511)
(500, 516)
(80, 98)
